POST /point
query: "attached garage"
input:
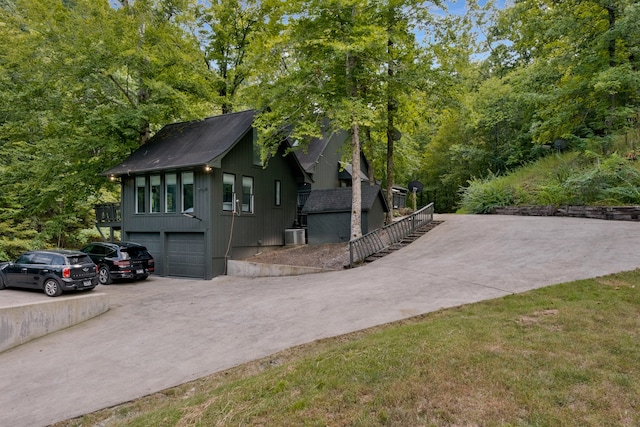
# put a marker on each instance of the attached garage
(186, 255)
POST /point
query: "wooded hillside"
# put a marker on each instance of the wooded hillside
(428, 95)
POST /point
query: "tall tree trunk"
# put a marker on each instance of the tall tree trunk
(369, 154)
(143, 94)
(356, 187)
(390, 136)
(391, 111)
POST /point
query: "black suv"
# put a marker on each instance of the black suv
(120, 260)
(52, 271)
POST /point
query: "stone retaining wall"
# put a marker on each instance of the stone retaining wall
(616, 213)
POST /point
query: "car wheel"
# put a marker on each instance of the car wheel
(143, 277)
(104, 276)
(52, 288)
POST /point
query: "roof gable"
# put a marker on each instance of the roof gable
(188, 144)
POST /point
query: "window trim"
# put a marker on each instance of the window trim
(250, 205)
(229, 206)
(152, 196)
(183, 184)
(137, 180)
(174, 194)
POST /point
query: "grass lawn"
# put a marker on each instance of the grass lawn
(565, 355)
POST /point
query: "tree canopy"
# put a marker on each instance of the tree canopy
(426, 94)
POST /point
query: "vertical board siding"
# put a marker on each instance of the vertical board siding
(266, 225)
(193, 248)
(325, 174)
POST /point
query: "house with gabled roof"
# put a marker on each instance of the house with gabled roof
(197, 194)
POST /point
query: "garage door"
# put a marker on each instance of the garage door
(152, 242)
(186, 255)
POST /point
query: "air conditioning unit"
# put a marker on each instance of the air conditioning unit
(294, 236)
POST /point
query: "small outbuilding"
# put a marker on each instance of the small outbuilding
(328, 213)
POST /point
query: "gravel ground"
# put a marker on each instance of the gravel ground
(330, 256)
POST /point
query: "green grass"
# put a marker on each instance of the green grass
(563, 355)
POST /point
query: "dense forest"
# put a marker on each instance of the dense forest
(448, 99)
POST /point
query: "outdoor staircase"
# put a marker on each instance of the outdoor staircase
(407, 240)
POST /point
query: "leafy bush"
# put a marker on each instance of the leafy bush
(572, 179)
(483, 195)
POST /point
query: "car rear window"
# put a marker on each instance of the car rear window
(44, 259)
(79, 259)
(136, 252)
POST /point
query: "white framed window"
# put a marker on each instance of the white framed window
(228, 191)
(247, 194)
(141, 186)
(170, 193)
(187, 192)
(154, 194)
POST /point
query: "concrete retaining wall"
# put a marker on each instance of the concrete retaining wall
(20, 323)
(254, 269)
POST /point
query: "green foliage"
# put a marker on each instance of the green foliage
(82, 84)
(558, 180)
(483, 195)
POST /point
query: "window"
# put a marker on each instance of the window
(277, 191)
(24, 259)
(140, 189)
(187, 191)
(170, 192)
(247, 194)
(257, 150)
(154, 194)
(228, 191)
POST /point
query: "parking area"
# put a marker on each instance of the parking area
(167, 331)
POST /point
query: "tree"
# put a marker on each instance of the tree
(81, 85)
(591, 47)
(229, 30)
(407, 71)
(329, 74)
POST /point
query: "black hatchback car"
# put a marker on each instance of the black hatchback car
(52, 271)
(120, 260)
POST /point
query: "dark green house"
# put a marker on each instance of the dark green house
(197, 194)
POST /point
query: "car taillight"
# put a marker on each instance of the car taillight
(122, 263)
(150, 262)
(97, 269)
(66, 272)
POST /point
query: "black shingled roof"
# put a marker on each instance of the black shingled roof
(188, 144)
(339, 199)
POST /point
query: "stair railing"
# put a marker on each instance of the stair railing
(380, 239)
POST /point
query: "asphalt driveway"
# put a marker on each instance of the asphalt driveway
(168, 331)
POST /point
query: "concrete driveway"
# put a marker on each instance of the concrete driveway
(167, 331)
